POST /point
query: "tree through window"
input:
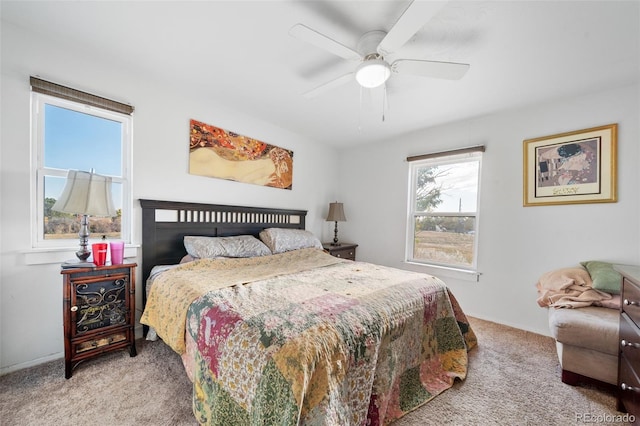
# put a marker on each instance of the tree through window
(443, 210)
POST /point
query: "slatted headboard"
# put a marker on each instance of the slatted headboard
(165, 223)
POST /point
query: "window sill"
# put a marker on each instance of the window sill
(445, 271)
(42, 256)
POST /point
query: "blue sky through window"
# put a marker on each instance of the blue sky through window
(74, 140)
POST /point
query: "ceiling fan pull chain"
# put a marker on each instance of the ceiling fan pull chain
(385, 105)
(360, 111)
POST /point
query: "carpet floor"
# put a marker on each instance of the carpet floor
(513, 379)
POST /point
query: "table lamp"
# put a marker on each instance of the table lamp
(86, 193)
(336, 214)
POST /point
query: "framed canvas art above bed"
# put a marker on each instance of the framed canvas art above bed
(571, 168)
(223, 154)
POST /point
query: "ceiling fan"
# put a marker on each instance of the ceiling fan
(373, 70)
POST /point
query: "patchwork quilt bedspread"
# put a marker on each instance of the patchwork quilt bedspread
(306, 338)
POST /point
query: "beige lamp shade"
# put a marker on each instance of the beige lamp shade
(336, 213)
(86, 193)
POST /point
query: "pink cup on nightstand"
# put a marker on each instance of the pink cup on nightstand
(117, 252)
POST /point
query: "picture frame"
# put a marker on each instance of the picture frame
(571, 168)
(223, 154)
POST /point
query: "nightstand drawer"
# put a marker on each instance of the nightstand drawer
(631, 300)
(630, 340)
(100, 343)
(343, 251)
(629, 390)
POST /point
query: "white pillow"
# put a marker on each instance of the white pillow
(236, 246)
(280, 240)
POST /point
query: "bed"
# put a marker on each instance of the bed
(294, 336)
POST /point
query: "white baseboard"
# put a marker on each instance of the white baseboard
(52, 357)
(32, 363)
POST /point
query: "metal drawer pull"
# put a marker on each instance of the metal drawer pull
(626, 387)
(624, 344)
(630, 302)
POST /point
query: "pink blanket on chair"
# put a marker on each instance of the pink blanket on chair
(569, 288)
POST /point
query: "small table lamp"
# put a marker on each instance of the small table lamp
(86, 193)
(336, 214)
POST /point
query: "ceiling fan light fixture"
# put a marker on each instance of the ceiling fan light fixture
(373, 73)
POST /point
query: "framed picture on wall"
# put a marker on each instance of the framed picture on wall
(571, 168)
(223, 154)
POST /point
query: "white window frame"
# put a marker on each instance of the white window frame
(412, 213)
(39, 171)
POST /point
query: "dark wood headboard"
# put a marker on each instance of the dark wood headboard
(165, 223)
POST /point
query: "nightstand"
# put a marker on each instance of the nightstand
(99, 312)
(344, 250)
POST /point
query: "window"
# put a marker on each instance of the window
(74, 130)
(443, 210)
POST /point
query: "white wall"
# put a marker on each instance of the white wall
(31, 295)
(517, 244)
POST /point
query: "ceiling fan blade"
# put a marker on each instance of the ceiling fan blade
(311, 36)
(445, 70)
(410, 22)
(329, 85)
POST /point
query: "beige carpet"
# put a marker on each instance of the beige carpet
(514, 379)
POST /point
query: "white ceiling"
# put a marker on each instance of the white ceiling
(239, 53)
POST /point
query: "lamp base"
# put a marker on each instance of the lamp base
(84, 253)
(335, 235)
